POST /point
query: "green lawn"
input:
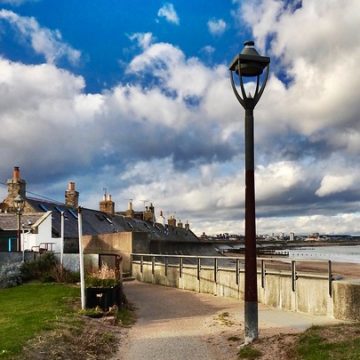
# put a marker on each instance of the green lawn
(29, 309)
(340, 342)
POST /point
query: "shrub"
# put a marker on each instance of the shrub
(47, 268)
(10, 275)
(40, 268)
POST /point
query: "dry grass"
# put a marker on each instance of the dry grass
(88, 339)
(104, 273)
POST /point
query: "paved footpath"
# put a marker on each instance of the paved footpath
(177, 324)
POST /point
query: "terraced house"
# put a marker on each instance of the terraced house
(32, 224)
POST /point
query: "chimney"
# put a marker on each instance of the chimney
(130, 212)
(180, 224)
(187, 226)
(149, 213)
(107, 205)
(16, 186)
(172, 221)
(71, 196)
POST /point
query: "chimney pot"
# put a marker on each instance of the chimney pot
(71, 186)
(16, 173)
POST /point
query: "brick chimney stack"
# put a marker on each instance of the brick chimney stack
(107, 205)
(172, 221)
(16, 186)
(71, 196)
(130, 212)
(187, 226)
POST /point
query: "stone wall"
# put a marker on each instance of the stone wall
(122, 243)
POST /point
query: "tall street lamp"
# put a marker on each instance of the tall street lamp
(19, 206)
(250, 64)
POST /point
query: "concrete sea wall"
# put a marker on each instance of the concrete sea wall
(306, 293)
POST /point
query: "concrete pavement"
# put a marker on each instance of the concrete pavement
(176, 324)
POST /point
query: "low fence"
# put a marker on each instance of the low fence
(313, 293)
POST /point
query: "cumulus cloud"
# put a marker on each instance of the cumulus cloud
(331, 184)
(176, 137)
(124, 124)
(313, 60)
(168, 12)
(216, 26)
(44, 41)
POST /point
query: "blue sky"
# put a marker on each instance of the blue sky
(101, 31)
(134, 96)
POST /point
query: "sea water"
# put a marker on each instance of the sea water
(349, 254)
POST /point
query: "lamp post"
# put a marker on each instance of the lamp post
(19, 205)
(250, 64)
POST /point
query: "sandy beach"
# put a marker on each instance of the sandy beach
(339, 269)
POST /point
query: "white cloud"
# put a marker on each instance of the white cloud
(44, 41)
(335, 224)
(314, 58)
(332, 184)
(216, 26)
(144, 40)
(178, 139)
(169, 13)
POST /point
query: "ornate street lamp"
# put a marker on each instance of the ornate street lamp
(250, 64)
(19, 206)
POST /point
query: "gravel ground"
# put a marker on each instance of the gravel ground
(176, 324)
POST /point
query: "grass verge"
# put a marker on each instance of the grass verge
(333, 342)
(42, 321)
(29, 309)
(340, 342)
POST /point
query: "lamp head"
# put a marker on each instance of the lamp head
(249, 62)
(19, 202)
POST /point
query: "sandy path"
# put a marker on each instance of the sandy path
(176, 324)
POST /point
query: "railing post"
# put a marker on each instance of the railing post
(215, 270)
(198, 268)
(263, 273)
(180, 267)
(293, 275)
(166, 265)
(153, 265)
(237, 270)
(141, 264)
(330, 278)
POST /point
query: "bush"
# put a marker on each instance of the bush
(10, 275)
(40, 268)
(47, 268)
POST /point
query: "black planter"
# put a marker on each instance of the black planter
(104, 297)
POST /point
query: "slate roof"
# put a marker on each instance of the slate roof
(9, 222)
(96, 222)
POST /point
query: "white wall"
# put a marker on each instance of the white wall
(43, 236)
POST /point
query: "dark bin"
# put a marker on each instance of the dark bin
(103, 297)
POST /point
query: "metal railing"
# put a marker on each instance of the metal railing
(232, 264)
